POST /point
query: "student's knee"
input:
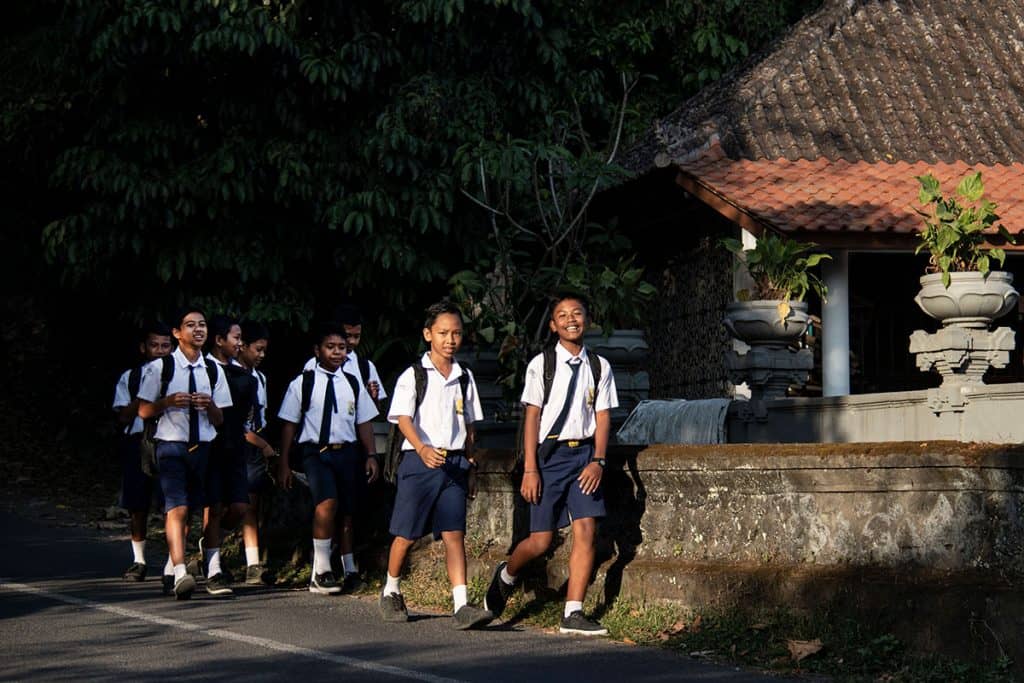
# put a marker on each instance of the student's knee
(584, 531)
(453, 539)
(540, 541)
(327, 508)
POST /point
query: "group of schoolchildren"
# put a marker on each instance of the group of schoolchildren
(204, 407)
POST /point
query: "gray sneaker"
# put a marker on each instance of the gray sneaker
(392, 607)
(136, 572)
(218, 587)
(468, 617)
(498, 592)
(580, 625)
(256, 575)
(184, 587)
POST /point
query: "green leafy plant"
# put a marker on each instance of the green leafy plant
(780, 268)
(619, 296)
(956, 233)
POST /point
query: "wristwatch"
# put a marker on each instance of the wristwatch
(600, 461)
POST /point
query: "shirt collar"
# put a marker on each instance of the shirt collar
(562, 354)
(183, 362)
(429, 365)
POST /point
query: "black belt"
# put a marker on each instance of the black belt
(573, 443)
(332, 446)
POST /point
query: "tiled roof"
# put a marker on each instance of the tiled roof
(836, 199)
(825, 131)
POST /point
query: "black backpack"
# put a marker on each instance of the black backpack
(147, 447)
(393, 451)
(549, 379)
(306, 398)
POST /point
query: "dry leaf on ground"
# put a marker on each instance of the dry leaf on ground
(801, 649)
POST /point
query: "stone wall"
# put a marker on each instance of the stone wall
(934, 528)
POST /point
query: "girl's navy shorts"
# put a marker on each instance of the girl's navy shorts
(430, 499)
(561, 499)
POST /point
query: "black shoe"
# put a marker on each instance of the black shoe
(580, 625)
(218, 587)
(227, 576)
(392, 607)
(324, 584)
(136, 572)
(353, 583)
(498, 592)
(167, 584)
(468, 617)
(256, 575)
(184, 587)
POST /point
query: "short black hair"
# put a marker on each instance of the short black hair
(348, 314)
(561, 295)
(440, 308)
(326, 329)
(220, 326)
(155, 327)
(253, 331)
(182, 311)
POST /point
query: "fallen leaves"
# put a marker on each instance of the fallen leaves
(680, 627)
(801, 649)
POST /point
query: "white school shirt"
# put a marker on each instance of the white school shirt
(351, 366)
(122, 398)
(439, 420)
(348, 415)
(173, 424)
(261, 399)
(580, 422)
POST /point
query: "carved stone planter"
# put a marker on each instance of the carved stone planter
(769, 366)
(971, 300)
(626, 351)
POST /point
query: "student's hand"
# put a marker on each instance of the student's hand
(431, 457)
(372, 469)
(201, 401)
(530, 488)
(284, 476)
(374, 389)
(471, 486)
(268, 451)
(590, 478)
(179, 399)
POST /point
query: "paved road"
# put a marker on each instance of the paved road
(62, 617)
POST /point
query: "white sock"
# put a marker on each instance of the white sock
(506, 577)
(393, 586)
(348, 561)
(213, 561)
(139, 550)
(573, 606)
(169, 567)
(459, 596)
(321, 555)
(179, 571)
(252, 556)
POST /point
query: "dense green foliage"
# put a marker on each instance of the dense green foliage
(229, 150)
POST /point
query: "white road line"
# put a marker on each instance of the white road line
(222, 634)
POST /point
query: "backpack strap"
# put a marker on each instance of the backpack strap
(166, 373)
(419, 374)
(355, 384)
(262, 379)
(549, 372)
(308, 379)
(213, 372)
(595, 370)
(134, 380)
(364, 369)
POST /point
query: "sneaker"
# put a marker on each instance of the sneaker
(167, 584)
(136, 572)
(324, 584)
(498, 592)
(580, 625)
(227, 576)
(218, 587)
(194, 568)
(392, 607)
(256, 575)
(353, 583)
(468, 617)
(184, 587)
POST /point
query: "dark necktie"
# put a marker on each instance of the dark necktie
(556, 426)
(193, 413)
(330, 407)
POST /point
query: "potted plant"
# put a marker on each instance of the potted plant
(960, 288)
(774, 313)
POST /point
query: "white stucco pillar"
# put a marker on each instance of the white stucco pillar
(741, 280)
(835, 323)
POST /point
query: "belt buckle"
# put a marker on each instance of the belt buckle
(443, 452)
(573, 444)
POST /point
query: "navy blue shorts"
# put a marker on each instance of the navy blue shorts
(227, 480)
(258, 476)
(338, 474)
(136, 485)
(561, 499)
(182, 474)
(430, 499)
